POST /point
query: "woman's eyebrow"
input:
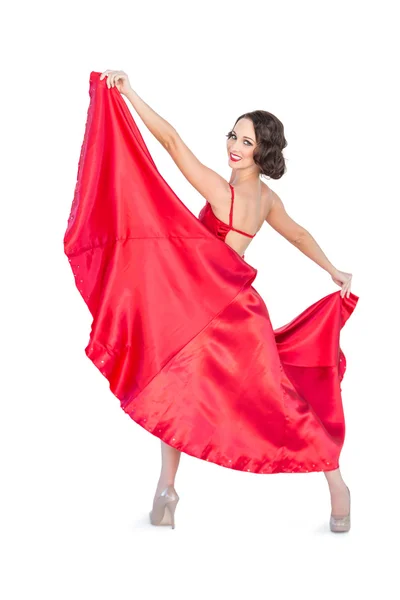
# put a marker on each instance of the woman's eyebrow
(245, 136)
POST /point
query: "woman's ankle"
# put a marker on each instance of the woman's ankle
(163, 483)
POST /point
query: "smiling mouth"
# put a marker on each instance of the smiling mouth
(234, 157)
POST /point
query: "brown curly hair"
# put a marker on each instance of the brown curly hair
(270, 141)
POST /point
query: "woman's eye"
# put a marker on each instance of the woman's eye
(232, 135)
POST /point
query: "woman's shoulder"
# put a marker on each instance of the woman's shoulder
(267, 191)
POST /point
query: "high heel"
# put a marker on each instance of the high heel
(340, 524)
(163, 512)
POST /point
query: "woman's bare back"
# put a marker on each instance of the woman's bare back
(249, 214)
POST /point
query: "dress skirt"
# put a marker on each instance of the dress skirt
(180, 333)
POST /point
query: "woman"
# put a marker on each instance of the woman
(205, 380)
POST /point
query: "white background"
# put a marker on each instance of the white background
(77, 474)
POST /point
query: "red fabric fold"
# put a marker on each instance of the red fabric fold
(179, 331)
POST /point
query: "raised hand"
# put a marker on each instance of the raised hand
(118, 79)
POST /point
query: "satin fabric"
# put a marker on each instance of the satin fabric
(213, 224)
(178, 330)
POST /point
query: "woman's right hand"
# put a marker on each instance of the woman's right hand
(118, 79)
(342, 279)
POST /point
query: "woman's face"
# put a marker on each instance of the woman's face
(241, 143)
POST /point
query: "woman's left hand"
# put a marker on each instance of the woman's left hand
(118, 79)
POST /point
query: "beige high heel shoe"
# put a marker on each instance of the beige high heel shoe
(163, 512)
(340, 524)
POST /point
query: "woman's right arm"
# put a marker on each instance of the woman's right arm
(296, 234)
(304, 241)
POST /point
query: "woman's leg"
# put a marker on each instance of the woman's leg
(339, 494)
(170, 458)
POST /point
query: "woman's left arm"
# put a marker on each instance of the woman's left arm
(206, 181)
(159, 127)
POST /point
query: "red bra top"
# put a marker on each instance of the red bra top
(215, 225)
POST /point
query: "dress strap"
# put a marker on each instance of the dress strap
(231, 210)
(231, 215)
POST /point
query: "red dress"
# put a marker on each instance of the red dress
(183, 338)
